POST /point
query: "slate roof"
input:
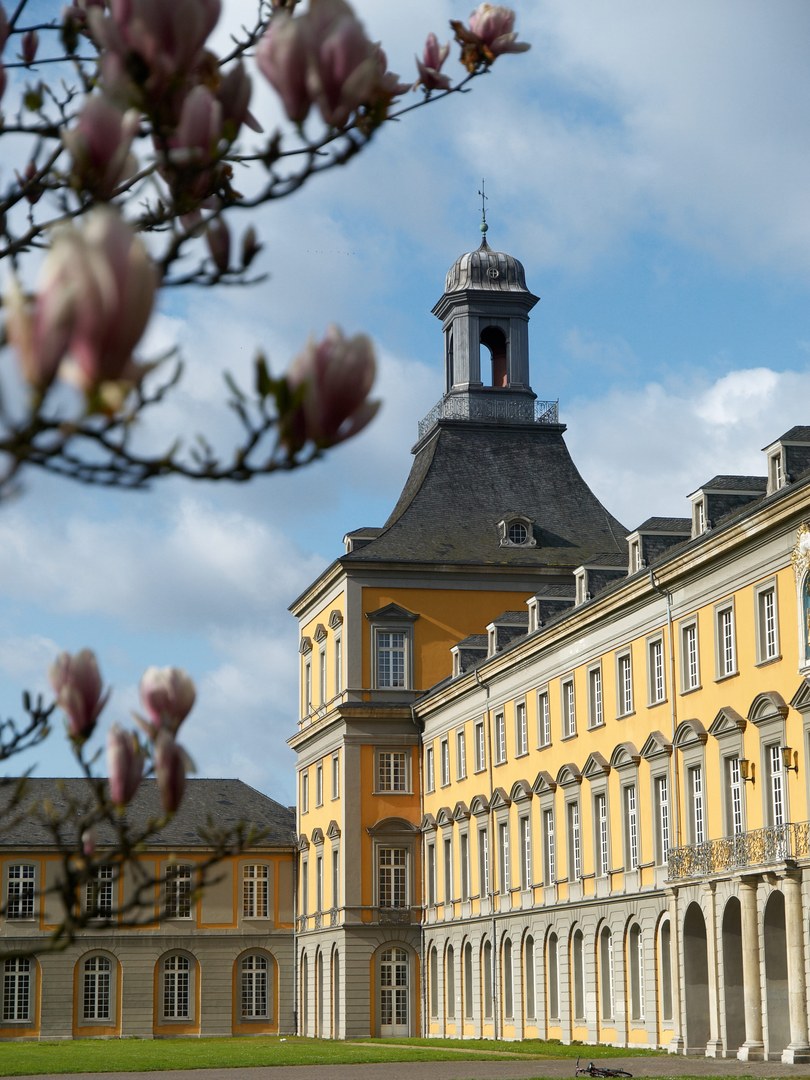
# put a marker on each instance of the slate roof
(735, 483)
(799, 433)
(225, 802)
(675, 525)
(467, 476)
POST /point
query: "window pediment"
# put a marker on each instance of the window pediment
(461, 812)
(305, 646)
(479, 806)
(625, 756)
(335, 619)
(321, 633)
(569, 775)
(333, 830)
(544, 782)
(427, 824)
(521, 791)
(769, 705)
(444, 817)
(656, 744)
(728, 721)
(392, 827)
(690, 732)
(801, 699)
(596, 766)
(392, 613)
(500, 798)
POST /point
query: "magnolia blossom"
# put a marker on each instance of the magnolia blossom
(94, 300)
(325, 58)
(218, 238)
(76, 681)
(233, 94)
(29, 46)
(490, 33)
(125, 761)
(430, 65)
(172, 764)
(100, 146)
(330, 381)
(168, 695)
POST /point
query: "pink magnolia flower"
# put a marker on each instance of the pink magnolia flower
(332, 380)
(29, 46)
(168, 695)
(89, 841)
(430, 65)
(4, 31)
(172, 764)
(76, 681)
(125, 761)
(218, 238)
(39, 330)
(490, 33)
(233, 94)
(282, 56)
(100, 146)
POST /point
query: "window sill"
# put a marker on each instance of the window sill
(691, 689)
(769, 660)
(726, 676)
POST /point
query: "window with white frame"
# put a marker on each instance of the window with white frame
(690, 660)
(391, 658)
(255, 891)
(336, 776)
(521, 729)
(445, 756)
(549, 849)
(177, 889)
(635, 948)
(20, 892)
(176, 987)
(307, 685)
(254, 989)
(431, 874)
(656, 677)
(767, 628)
(631, 832)
(697, 809)
(503, 857)
(699, 517)
(17, 989)
(319, 882)
(323, 696)
(775, 779)
(661, 796)
(569, 713)
(448, 869)
(335, 877)
(543, 720)
(725, 643)
(319, 784)
(461, 754)
(483, 860)
(635, 556)
(464, 864)
(304, 791)
(304, 886)
(392, 877)
(97, 988)
(553, 970)
(624, 684)
(338, 664)
(602, 841)
(480, 747)
(574, 841)
(500, 739)
(525, 852)
(578, 965)
(98, 896)
(606, 987)
(596, 712)
(776, 471)
(734, 796)
(430, 770)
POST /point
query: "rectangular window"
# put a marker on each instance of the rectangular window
(255, 891)
(392, 877)
(697, 819)
(656, 680)
(304, 886)
(307, 686)
(525, 852)
(464, 862)
(319, 883)
(549, 849)
(624, 684)
(445, 762)
(725, 645)
(480, 747)
(543, 720)
(596, 716)
(430, 771)
(461, 755)
(767, 624)
(569, 715)
(483, 860)
(178, 891)
(338, 664)
(391, 659)
(319, 784)
(99, 894)
(17, 989)
(632, 858)
(322, 676)
(431, 874)
(500, 739)
(521, 729)
(176, 988)
(734, 801)
(690, 664)
(600, 817)
(503, 847)
(574, 843)
(336, 776)
(335, 878)
(661, 789)
(96, 989)
(255, 995)
(304, 791)
(448, 870)
(776, 784)
(392, 770)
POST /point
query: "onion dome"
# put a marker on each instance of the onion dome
(486, 270)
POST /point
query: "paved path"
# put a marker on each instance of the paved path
(670, 1065)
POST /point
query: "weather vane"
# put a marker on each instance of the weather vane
(484, 201)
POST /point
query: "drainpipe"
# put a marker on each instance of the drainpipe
(295, 940)
(422, 956)
(490, 883)
(673, 769)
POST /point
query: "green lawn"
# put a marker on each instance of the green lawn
(135, 1055)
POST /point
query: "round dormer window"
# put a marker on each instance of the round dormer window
(518, 533)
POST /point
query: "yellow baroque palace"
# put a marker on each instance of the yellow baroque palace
(553, 773)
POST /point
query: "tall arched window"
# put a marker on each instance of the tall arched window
(495, 340)
(96, 989)
(553, 968)
(468, 981)
(176, 988)
(450, 983)
(254, 987)
(635, 948)
(606, 973)
(486, 979)
(529, 996)
(434, 981)
(578, 957)
(17, 989)
(508, 986)
(665, 967)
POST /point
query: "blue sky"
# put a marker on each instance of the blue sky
(649, 164)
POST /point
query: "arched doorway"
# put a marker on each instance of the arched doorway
(734, 1032)
(696, 979)
(394, 992)
(776, 978)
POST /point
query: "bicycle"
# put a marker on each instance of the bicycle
(599, 1070)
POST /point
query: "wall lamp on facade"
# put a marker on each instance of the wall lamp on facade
(790, 759)
(747, 769)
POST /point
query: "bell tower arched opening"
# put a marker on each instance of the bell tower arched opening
(494, 339)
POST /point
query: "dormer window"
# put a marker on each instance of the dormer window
(516, 531)
(533, 616)
(699, 516)
(581, 586)
(776, 471)
(635, 556)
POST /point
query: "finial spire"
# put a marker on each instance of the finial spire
(484, 201)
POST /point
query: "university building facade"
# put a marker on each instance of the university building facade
(552, 772)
